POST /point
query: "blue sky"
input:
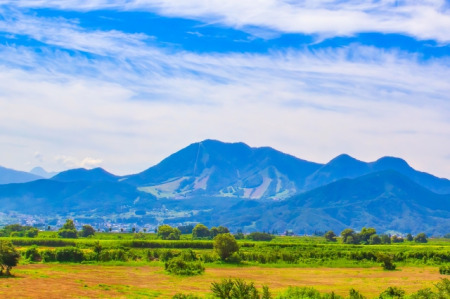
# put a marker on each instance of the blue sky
(123, 84)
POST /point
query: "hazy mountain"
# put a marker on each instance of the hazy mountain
(55, 197)
(215, 168)
(385, 200)
(344, 166)
(8, 176)
(239, 186)
(39, 171)
(82, 174)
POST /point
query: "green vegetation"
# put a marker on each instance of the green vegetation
(17, 230)
(225, 246)
(240, 289)
(9, 257)
(179, 266)
(68, 230)
(166, 232)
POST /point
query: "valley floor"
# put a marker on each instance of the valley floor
(97, 281)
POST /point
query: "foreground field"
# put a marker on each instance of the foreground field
(94, 281)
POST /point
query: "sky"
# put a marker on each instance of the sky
(124, 84)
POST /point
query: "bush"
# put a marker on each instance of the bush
(112, 255)
(69, 254)
(354, 294)
(184, 296)
(32, 254)
(238, 288)
(48, 255)
(392, 292)
(178, 266)
(300, 292)
(444, 269)
(256, 236)
(386, 260)
(423, 294)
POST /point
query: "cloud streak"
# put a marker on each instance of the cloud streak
(117, 96)
(426, 19)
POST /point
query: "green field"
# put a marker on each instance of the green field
(132, 264)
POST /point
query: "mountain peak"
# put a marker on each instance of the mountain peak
(389, 162)
(83, 174)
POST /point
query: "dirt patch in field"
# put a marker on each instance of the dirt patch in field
(89, 281)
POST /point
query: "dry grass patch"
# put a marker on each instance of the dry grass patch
(93, 281)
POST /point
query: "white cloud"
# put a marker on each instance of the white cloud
(68, 162)
(131, 104)
(423, 19)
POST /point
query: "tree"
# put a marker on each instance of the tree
(396, 239)
(218, 230)
(87, 231)
(330, 236)
(166, 232)
(374, 240)
(68, 230)
(365, 234)
(421, 238)
(409, 237)
(9, 257)
(349, 236)
(214, 232)
(31, 233)
(385, 239)
(225, 245)
(200, 231)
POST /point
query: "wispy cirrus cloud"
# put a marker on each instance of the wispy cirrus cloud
(425, 19)
(108, 94)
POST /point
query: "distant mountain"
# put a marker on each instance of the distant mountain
(385, 200)
(238, 186)
(344, 166)
(9, 176)
(52, 197)
(39, 171)
(214, 168)
(82, 174)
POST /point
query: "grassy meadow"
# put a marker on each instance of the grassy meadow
(126, 265)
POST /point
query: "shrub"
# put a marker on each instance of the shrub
(257, 236)
(178, 266)
(444, 269)
(392, 292)
(300, 292)
(32, 254)
(354, 294)
(185, 296)
(386, 260)
(113, 255)
(69, 254)
(423, 294)
(238, 288)
(48, 255)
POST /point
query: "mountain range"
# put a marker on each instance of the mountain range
(241, 187)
